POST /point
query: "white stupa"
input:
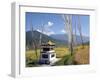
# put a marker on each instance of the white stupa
(47, 53)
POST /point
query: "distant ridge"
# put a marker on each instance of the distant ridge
(45, 38)
(58, 39)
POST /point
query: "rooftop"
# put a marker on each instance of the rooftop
(49, 43)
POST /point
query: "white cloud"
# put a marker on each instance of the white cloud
(39, 30)
(63, 31)
(50, 33)
(49, 23)
(46, 32)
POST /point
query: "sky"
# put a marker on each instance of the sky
(50, 23)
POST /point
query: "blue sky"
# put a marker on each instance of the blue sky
(54, 23)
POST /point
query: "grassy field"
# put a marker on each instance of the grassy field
(31, 58)
(61, 52)
(80, 56)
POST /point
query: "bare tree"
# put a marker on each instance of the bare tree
(80, 30)
(70, 34)
(68, 25)
(40, 39)
(75, 30)
(33, 39)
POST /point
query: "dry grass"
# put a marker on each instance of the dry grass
(31, 58)
(61, 52)
(82, 55)
(30, 54)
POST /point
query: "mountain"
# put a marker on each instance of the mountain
(58, 39)
(64, 37)
(45, 38)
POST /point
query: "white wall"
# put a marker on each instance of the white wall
(5, 40)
